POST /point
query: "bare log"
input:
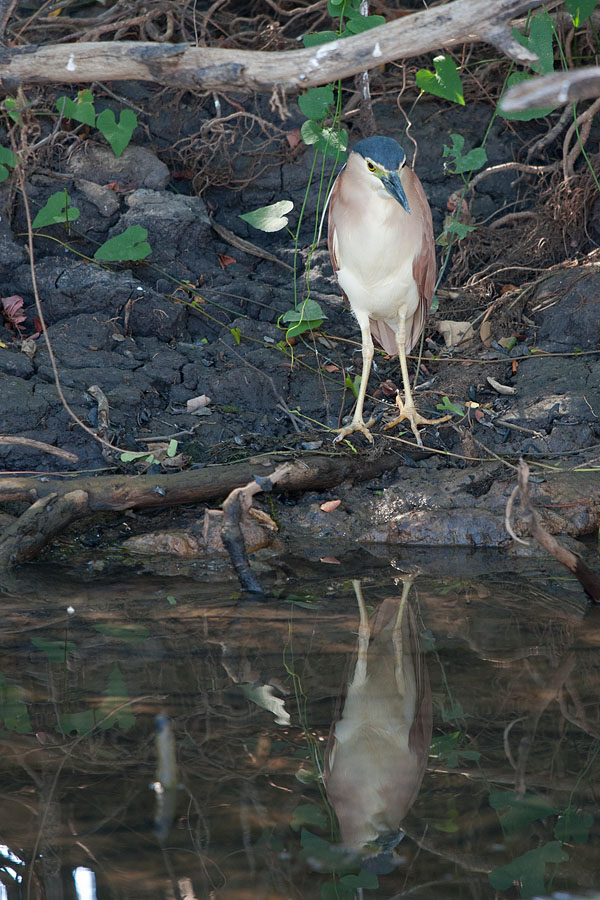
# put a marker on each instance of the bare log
(57, 503)
(37, 526)
(211, 68)
(553, 90)
(38, 445)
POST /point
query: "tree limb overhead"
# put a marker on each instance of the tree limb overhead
(182, 65)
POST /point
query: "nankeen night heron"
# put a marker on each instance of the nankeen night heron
(382, 251)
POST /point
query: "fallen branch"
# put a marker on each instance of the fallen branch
(236, 506)
(212, 68)
(44, 519)
(586, 577)
(38, 445)
(553, 90)
(86, 495)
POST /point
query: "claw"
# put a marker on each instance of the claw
(355, 425)
(414, 418)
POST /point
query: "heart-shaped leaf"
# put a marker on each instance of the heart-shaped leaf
(358, 23)
(316, 102)
(540, 41)
(81, 110)
(269, 218)
(57, 211)
(580, 10)
(130, 245)
(7, 159)
(319, 37)
(118, 134)
(445, 82)
(328, 140)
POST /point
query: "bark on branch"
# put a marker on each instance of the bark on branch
(553, 90)
(56, 503)
(182, 65)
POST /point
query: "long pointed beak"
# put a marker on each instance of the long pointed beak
(394, 187)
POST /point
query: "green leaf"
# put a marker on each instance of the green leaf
(444, 83)
(269, 218)
(364, 879)
(319, 37)
(540, 41)
(56, 651)
(309, 317)
(357, 23)
(13, 709)
(328, 141)
(171, 600)
(353, 384)
(522, 115)
(574, 827)
(7, 160)
(447, 406)
(116, 694)
(79, 722)
(130, 245)
(309, 310)
(13, 109)
(81, 110)
(330, 857)
(57, 211)
(453, 227)
(308, 814)
(466, 162)
(334, 890)
(172, 449)
(132, 633)
(134, 456)
(316, 102)
(528, 870)
(237, 335)
(520, 811)
(118, 134)
(580, 10)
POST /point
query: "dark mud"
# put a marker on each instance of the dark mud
(131, 329)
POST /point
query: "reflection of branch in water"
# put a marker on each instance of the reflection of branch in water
(546, 696)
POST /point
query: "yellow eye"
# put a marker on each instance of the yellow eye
(370, 166)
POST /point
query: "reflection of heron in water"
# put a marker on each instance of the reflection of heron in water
(378, 749)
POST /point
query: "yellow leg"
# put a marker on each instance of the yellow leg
(358, 423)
(407, 409)
(364, 634)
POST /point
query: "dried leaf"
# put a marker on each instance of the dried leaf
(455, 333)
(515, 366)
(29, 347)
(331, 367)
(11, 310)
(293, 137)
(197, 403)
(479, 415)
(501, 388)
(225, 260)
(330, 561)
(259, 515)
(330, 505)
(389, 388)
(485, 334)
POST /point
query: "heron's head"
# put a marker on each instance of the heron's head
(384, 159)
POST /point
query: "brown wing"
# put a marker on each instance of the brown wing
(424, 263)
